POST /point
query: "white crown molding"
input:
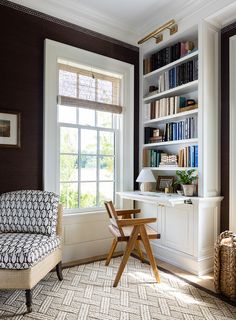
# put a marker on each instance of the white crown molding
(80, 15)
(190, 14)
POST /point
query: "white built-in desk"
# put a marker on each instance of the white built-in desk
(188, 227)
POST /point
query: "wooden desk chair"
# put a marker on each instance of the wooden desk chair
(124, 228)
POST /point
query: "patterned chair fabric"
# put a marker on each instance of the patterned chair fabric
(29, 211)
(24, 250)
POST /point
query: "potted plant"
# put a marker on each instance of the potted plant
(186, 178)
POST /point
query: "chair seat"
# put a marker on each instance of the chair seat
(152, 234)
(23, 250)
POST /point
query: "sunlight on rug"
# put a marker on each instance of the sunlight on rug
(87, 293)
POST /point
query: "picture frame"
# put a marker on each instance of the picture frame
(164, 182)
(9, 129)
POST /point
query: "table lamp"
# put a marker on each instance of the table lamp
(146, 178)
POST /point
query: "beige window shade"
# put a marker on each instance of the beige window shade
(88, 89)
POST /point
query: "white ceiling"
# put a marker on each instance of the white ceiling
(126, 20)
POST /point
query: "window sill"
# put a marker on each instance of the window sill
(85, 216)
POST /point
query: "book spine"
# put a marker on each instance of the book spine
(192, 157)
(196, 156)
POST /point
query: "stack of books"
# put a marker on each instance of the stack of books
(152, 158)
(188, 156)
(164, 107)
(167, 55)
(177, 76)
(186, 129)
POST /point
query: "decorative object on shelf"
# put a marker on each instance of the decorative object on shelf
(186, 178)
(164, 182)
(168, 160)
(9, 129)
(146, 178)
(171, 25)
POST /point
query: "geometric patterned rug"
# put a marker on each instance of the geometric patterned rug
(86, 293)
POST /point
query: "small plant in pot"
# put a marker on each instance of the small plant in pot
(186, 178)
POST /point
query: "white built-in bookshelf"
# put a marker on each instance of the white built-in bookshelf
(188, 230)
(171, 114)
(204, 116)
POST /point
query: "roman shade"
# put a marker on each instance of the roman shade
(88, 88)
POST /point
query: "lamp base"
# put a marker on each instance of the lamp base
(146, 186)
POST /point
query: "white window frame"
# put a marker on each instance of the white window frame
(124, 166)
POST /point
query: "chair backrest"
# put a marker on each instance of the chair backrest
(113, 215)
(29, 211)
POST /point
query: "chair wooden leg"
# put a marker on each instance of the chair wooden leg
(128, 250)
(113, 247)
(140, 253)
(148, 249)
(28, 296)
(59, 271)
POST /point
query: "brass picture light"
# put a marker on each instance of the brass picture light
(171, 25)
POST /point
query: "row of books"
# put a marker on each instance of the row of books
(181, 130)
(167, 55)
(186, 129)
(188, 157)
(177, 76)
(163, 107)
(152, 158)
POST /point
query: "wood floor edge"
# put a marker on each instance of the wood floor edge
(89, 260)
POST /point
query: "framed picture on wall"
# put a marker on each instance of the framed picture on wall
(9, 129)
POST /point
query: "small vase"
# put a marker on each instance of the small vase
(188, 189)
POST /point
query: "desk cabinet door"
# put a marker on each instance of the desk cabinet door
(178, 228)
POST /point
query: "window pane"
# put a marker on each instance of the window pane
(106, 168)
(104, 91)
(106, 142)
(104, 119)
(68, 168)
(69, 195)
(88, 141)
(67, 114)
(69, 140)
(88, 168)
(67, 83)
(87, 194)
(106, 192)
(86, 117)
(86, 88)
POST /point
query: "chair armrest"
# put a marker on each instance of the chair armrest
(127, 212)
(135, 222)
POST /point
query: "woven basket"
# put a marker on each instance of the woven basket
(225, 264)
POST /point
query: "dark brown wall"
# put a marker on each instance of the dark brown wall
(226, 33)
(22, 38)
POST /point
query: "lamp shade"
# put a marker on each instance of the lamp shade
(146, 175)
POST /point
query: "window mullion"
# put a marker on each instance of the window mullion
(98, 162)
(79, 168)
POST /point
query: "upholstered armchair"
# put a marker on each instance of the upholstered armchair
(30, 236)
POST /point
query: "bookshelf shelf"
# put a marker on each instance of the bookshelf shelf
(171, 65)
(177, 116)
(175, 142)
(183, 89)
(171, 168)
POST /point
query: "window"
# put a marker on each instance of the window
(87, 137)
(88, 143)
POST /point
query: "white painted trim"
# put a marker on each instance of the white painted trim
(232, 135)
(55, 50)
